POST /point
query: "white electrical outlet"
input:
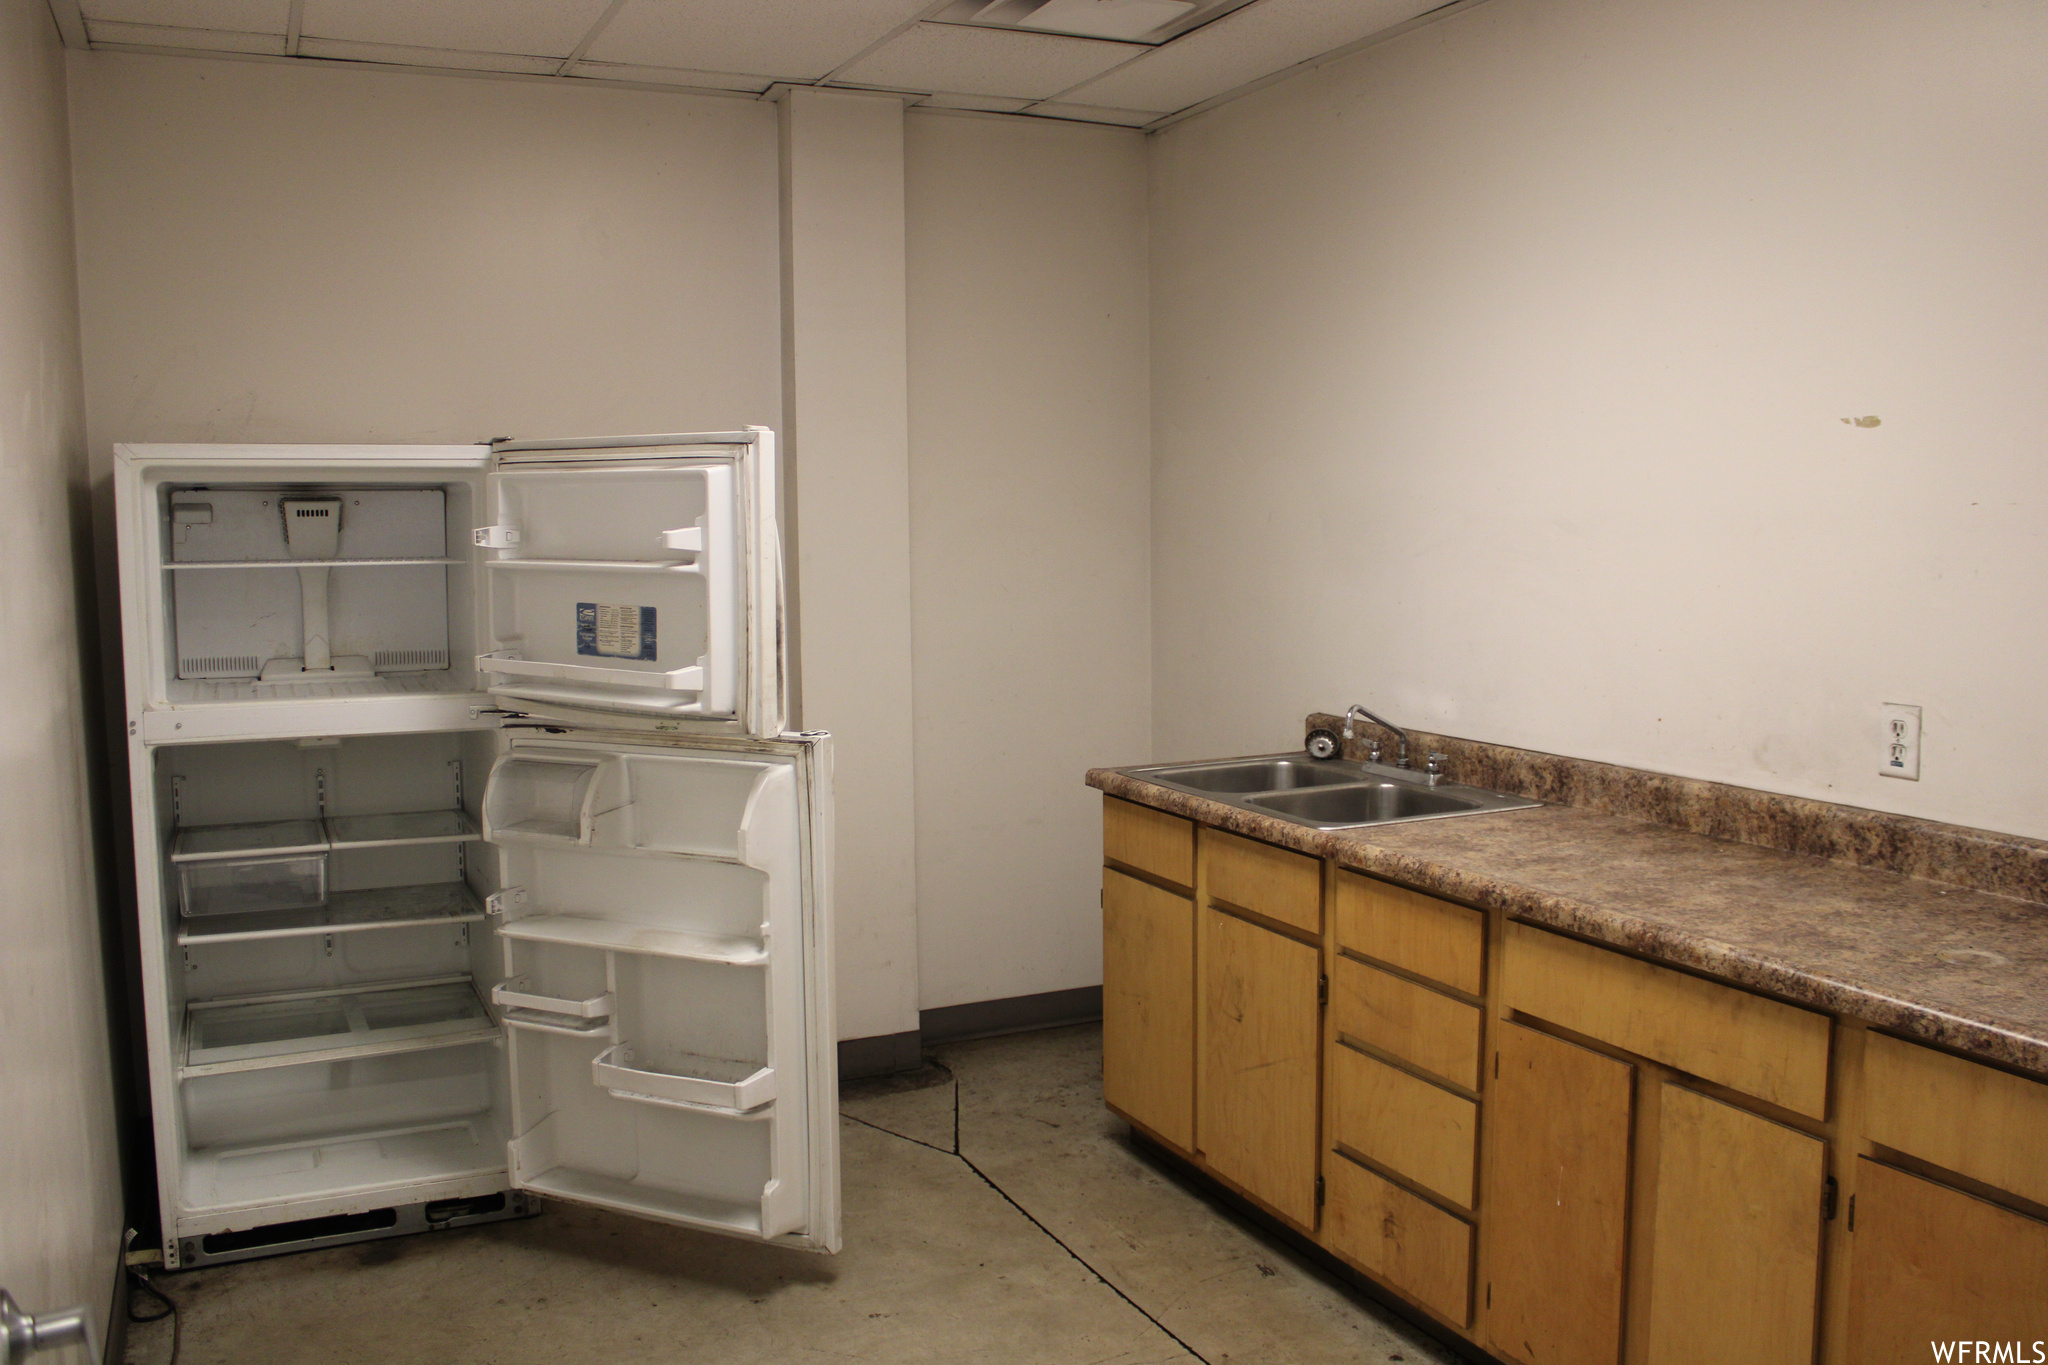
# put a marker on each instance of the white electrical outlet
(1901, 741)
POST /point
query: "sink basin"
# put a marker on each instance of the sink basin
(1240, 776)
(1371, 805)
(1327, 793)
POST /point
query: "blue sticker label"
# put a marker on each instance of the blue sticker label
(610, 632)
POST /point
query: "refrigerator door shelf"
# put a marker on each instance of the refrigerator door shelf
(715, 1083)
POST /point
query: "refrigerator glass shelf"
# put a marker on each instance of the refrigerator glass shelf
(184, 564)
(293, 1030)
(346, 912)
(337, 833)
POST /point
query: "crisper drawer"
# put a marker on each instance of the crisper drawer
(367, 1094)
(1400, 1238)
(1762, 1047)
(1986, 1124)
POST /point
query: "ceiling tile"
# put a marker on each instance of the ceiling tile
(1242, 46)
(238, 16)
(984, 61)
(1088, 113)
(190, 39)
(405, 54)
(540, 28)
(790, 39)
(665, 75)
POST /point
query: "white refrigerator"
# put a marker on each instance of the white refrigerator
(472, 856)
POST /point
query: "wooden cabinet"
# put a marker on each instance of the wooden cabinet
(1568, 1154)
(1259, 1037)
(1736, 1038)
(1556, 1219)
(1148, 1006)
(1428, 1029)
(1405, 1240)
(1269, 882)
(1932, 1264)
(1974, 1120)
(1149, 842)
(1418, 934)
(1735, 1266)
(1416, 1128)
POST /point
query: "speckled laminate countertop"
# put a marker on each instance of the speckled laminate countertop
(1850, 940)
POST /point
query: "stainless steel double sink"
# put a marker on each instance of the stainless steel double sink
(1327, 793)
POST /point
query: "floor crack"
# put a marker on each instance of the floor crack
(1030, 1218)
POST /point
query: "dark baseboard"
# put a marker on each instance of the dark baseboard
(1018, 1014)
(889, 1053)
(883, 1055)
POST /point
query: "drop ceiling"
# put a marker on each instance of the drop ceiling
(1138, 63)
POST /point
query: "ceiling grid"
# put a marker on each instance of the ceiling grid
(1127, 63)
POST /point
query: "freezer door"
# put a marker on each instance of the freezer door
(636, 577)
(663, 916)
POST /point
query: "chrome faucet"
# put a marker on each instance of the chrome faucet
(1352, 716)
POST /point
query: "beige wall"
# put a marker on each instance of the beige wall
(319, 254)
(1029, 462)
(1501, 372)
(60, 1187)
(274, 252)
(847, 370)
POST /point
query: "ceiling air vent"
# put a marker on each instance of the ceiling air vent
(1129, 21)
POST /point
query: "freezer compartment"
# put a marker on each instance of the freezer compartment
(320, 583)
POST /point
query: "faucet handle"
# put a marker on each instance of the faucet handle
(1434, 769)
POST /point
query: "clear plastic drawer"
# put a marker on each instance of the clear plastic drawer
(233, 886)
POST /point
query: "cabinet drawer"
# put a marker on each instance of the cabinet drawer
(1762, 1047)
(1408, 1242)
(1988, 1125)
(1406, 929)
(1268, 881)
(1406, 1124)
(1423, 1027)
(1149, 840)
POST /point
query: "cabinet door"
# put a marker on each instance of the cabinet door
(1934, 1265)
(1256, 1080)
(1738, 1222)
(1556, 1221)
(1148, 1006)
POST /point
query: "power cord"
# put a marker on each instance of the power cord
(139, 1281)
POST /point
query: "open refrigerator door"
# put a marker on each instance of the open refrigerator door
(666, 990)
(636, 582)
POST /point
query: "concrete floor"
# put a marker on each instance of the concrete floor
(995, 1212)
